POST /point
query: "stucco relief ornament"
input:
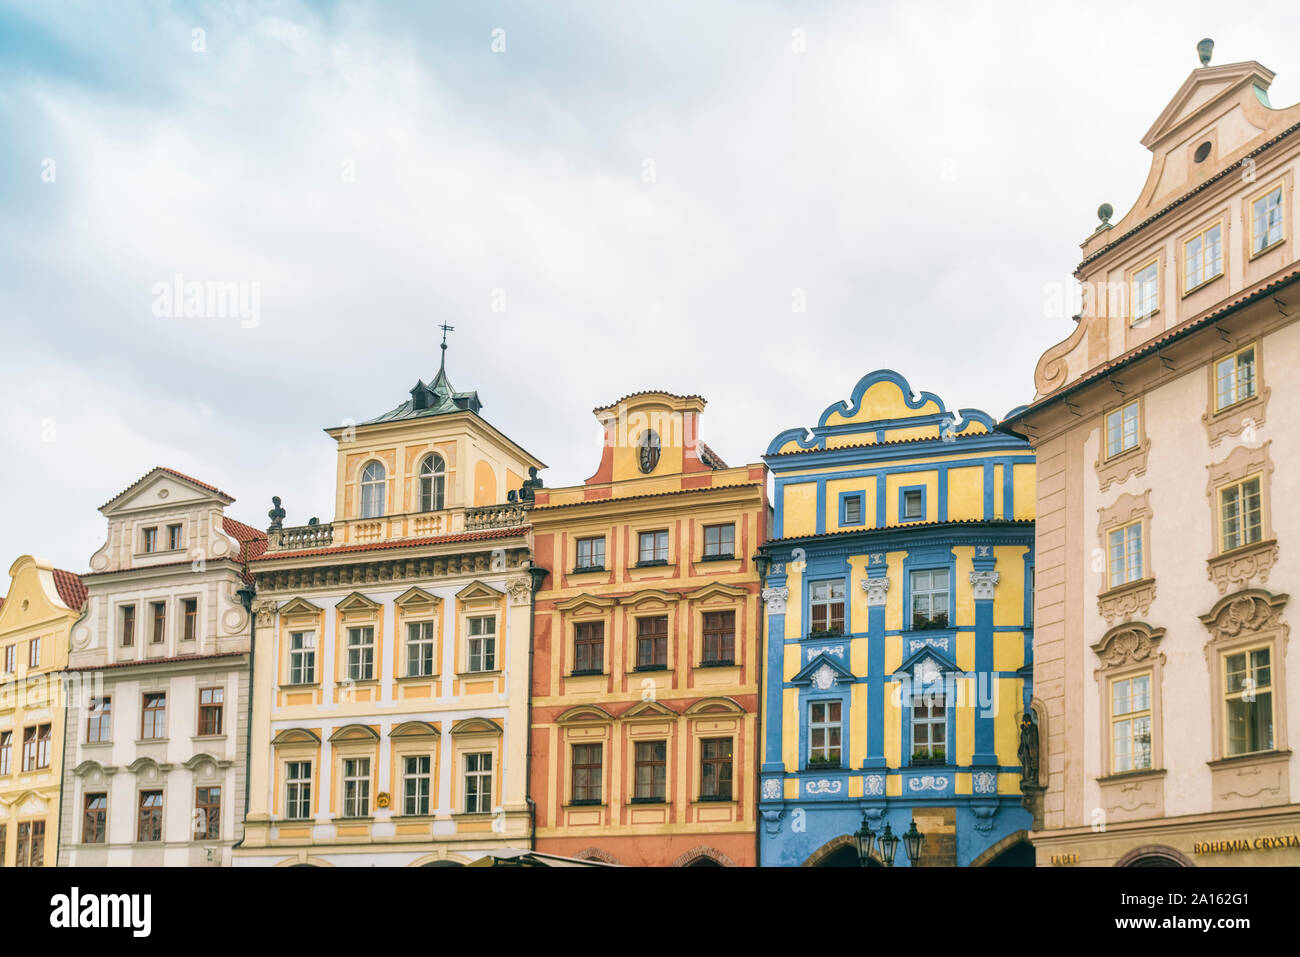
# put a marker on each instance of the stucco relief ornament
(873, 784)
(876, 588)
(519, 590)
(985, 782)
(1127, 647)
(823, 678)
(825, 650)
(983, 583)
(776, 599)
(823, 786)
(772, 789)
(265, 612)
(928, 782)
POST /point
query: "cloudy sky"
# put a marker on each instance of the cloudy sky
(600, 197)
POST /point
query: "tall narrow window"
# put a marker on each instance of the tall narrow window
(361, 653)
(6, 751)
(211, 710)
(99, 721)
(128, 626)
(173, 537)
(1202, 257)
(433, 484)
(302, 657)
(589, 648)
(719, 638)
(652, 642)
(482, 643)
(159, 635)
(653, 548)
(824, 729)
(11, 659)
(153, 721)
(930, 596)
(715, 769)
(929, 728)
(1248, 701)
(94, 819)
(827, 607)
(34, 653)
(719, 541)
(190, 628)
(1267, 222)
(149, 824)
(1146, 291)
(31, 844)
(478, 783)
(1121, 429)
(651, 771)
(207, 814)
(151, 539)
(415, 784)
(36, 747)
(297, 796)
(356, 787)
(1241, 514)
(587, 773)
(1130, 723)
(1234, 378)
(372, 490)
(419, 649)
(591, 553)
(1125, 554)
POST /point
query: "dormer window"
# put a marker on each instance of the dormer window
(433, 484)
(372, 490)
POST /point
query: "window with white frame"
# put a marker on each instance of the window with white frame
(478, 782)
(297, 794)
(482, 643)
(930, 597)
(824, 729)
(929, 727)
(356, 787)
(1122, 429)
(1203, 257)
(1248, 701)
(419, 649)
(372, 490)
(1241, 514)
(361, 653)
(302, 657)
(826, 606)
(1234, 378)
(1146, 291)
(1267, 225)
(1130, 723)
(433, 483)
(1125, 554)
(415, 784)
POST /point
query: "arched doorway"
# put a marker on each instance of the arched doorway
(841, 851)
(704, 862)
(1014, 850)
(1154, 855)
(443, 864)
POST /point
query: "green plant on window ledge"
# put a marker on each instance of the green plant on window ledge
(922, 623)
(929, 756)
(823, 761)
(816, 632)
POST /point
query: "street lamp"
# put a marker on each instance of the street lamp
(762, 563)
(865, 837)
(914, 840)
(888, 845)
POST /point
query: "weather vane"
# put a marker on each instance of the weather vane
(445, 329)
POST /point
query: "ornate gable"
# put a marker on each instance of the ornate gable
(478, 591)
(822, 673)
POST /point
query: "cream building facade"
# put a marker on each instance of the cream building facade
(1166, 539)
(155, 745)
(392, 650)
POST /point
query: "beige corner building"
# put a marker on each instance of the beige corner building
(1168, 535)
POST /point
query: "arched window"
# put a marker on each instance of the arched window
(372, 490)
(433, 484)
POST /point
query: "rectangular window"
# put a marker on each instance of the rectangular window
(652, 642)
(1121, 429)
(587, 773)
(128, 626)
(151, 539)
(929, 728)
(207, 814)
(361, 653)
(190, 611)
(824, 733)
(36, 747)
(719, 638)
(653, 548)
(715, 769)
(153, 720)
(415, 784)
(1234, 378)
(149, 824)
(34, 653)
(852, 510)
(159, 634)
(1130, 724)
(591, 553)
(356, 787)
(719, 541)
(11, 659)
(913, 505)
(1125, 554)
(6, 751)
(211, 710)
(930, 598)
(478, 783)
(419, 649)
(1249, 700)
(827, 605)
(1202, 257)
(94, 819)
(297, 794)
(1266, 218)
(483, 643)
(1146, 291)
(651, 771)
(302, 657)
(1241, 514)
(31, 844)
(589, 648)
(173, 537)
(99, 721)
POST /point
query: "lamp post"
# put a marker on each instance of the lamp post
(762, 564)
(865, 837)
(913, 840)
(888, 845)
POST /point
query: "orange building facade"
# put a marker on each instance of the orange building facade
(646, 664)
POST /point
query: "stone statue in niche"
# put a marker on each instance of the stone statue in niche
(1028, 750)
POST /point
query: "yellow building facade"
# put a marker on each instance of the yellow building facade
(36, 621)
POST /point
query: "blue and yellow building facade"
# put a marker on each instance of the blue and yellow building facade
(899, 638)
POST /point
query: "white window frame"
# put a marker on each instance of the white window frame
(373, 486)
(302, 657)
(1244, 529)
(481, 798)
(420, 639)
(825, 724)
(433, 483)
(1128, 720)
(356, 787)
(1118, 421)
(1125, 549)
(930, 591)
(1250, 693)
(297, 791)
(1203, 273)
(1256, 233)
(481, 647)
(1145, 293)
(361, 654)
(1242, 387)
(416, 784)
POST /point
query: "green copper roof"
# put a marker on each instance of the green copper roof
(439, 397)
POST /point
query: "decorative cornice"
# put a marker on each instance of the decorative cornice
(1241, 566)
(1128, 644)
(383, 571)
(1245, 613)
(1127, 601)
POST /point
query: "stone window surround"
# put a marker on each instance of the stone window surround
(1223, 220)
(1118, 467)
(1127, 650)
(1248, 214)
(1239, 565)
(1233, 419)
(1132, 598)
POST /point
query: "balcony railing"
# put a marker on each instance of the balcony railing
(362, 531)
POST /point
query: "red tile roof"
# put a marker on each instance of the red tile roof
(181, 475)
(159, 661)
(629, 498)
(252, 542)
(71, 589)
(486, 535)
